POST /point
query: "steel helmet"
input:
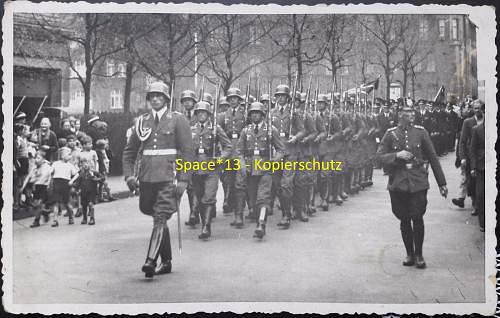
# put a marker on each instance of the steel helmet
(207, 97)
(257, 106)
(188, 94)
(203, 105)
(158, 87)
(223, 101)
(251, 99)
(282, 89)
(234, 91)
(322, 98)
(264, 98)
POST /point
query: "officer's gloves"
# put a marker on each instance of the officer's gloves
(132, 183)
(404, 155)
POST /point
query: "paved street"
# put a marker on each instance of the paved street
(350, 254)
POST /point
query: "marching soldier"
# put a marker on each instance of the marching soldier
(371, 148)
(304, 180)
(402, 152)
(223, 104)
(255, 143)
(285, 122)
(232, 122)
(161, 136)
(188, 100)
(205, 182)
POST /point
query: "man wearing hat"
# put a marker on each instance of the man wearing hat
(232, 122)
(223, 105)
(402, 152)
(188, 100)
(20, 118)
(161, 137)
(205, 182)
(285, 122)
(254, 144)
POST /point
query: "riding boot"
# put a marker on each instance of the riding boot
(165, 254)
(418, 234)
(260, 231)
(337, 185)
(194, 214)
(347, 182)
(206, 216)
(153, 250)
(407, 235)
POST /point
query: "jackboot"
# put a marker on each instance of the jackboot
(165, 254)
(407, 236)
(329, 190)
(260, 231)
(153, 250)
(337, 186)
(194, 213)
(206, 211)
(346, 184)
(286, 212)
(238, 211)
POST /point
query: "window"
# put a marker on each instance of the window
(79, 69)
(442, 28)
(121, 70)
(423, 29)
(431, 66)
(77, 99)
(110, 68)
(454, 29)
(116, 99)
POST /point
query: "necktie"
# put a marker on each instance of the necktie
(157, 120)
(202, 127)
(282, 109)
(256, 129)
(234, 112)
(189, 116)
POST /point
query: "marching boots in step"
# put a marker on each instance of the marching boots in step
(260, 231)
(165, 254)
(206, 218)
(153, 250)
(323, 193)
(238, 211)
(329, 188)
(337, 186)
(301, 206)
(312, 198)
(342, 191)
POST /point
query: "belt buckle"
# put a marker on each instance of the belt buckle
(282, 134)
(409, 166)
(234, 136)
(256, 152)
(201, 151)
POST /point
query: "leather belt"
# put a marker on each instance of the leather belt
(159, 152)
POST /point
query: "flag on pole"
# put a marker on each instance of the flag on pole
(368, 87)
(440, 98)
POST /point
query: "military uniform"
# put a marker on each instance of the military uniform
(335, 151)
(205, 182)
(232, 122)
(149, 155)
(254, 144)
(283, 181)
(408, 182)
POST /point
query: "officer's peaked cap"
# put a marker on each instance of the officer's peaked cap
(20, 115)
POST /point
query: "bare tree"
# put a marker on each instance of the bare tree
(387, 32)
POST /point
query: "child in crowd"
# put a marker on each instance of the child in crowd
(21, 133)
(88, 153)
(75, 154)
(62, 172)
(86, 182)
(103, 161)
(39, 178)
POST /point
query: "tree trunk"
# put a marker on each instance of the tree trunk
(88, 65)
(387, 78)
(129, 74)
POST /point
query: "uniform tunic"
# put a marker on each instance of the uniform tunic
(204, 182)
(408, 181)
(254, 146)
(150, 155)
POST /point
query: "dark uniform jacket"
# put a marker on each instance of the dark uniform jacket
(321, 127)
(385, 122)
(232, 125)
(477, 148)
(203, 141)
(409, 176)
(305, 145)
(253, 146)
(191, 117)
(282, 122)
(151, 151)
(465, 137)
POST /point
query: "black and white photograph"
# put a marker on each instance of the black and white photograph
(168, 158)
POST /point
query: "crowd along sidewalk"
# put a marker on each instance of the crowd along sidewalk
(119, 190)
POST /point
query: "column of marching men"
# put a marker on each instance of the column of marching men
(330, 130)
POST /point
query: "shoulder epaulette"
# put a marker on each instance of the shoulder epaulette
(418, 126)
(145, 115)
(391, 129)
